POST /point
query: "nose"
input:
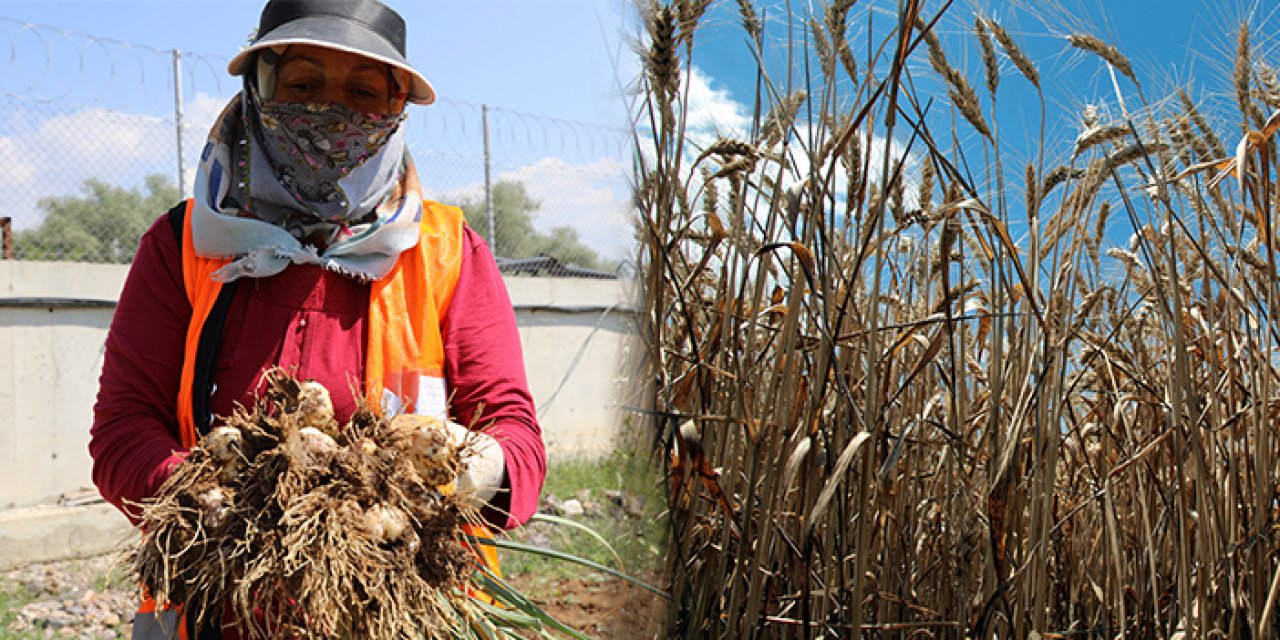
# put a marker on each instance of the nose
(337, 96)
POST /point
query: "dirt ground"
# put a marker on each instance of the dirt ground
(76, 599)
(607, 609)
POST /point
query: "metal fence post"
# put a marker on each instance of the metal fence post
(488, 188)
(177, 117)
(6, 237)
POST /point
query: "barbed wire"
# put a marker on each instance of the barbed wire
(109, 108)
(578, 135)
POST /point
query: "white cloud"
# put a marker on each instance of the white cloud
(47, 156)
(593, 198)
(102, 137)
(712, 112)
(18, 169)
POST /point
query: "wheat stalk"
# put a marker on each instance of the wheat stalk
(1189, 106)
(660, 63)
(1057, 176)
(1241, 72)
(924, 195)
(750, 20)
(989, 64)
(1108, 53)
(780, 119)
(956, 425)
(821, 45)
(1095, 136)
(690, 13)
(1015, 53)
(962, 94)
(836, 17)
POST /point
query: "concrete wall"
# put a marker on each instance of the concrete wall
(576, 335)
(54, 317)
(50, 358)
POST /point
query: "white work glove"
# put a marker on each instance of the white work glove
(432, 444)
(483, 471)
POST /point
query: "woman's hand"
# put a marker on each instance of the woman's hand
(445, 452)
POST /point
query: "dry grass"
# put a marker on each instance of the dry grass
(884, 414)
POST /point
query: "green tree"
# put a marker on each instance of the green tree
(513, 210)
(104, 225)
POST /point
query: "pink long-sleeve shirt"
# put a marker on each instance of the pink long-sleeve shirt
(311, 321)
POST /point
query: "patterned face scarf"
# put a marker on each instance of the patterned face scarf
(315, 169)
(264, 205)
(326, 156)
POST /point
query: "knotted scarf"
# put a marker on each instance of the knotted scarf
(272, 189)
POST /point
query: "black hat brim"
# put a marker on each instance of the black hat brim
(342, 35)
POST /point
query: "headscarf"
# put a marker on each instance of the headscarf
(271, 182)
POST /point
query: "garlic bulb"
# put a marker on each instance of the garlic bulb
(315, 406)
(231, 471)
(223, 443)
(430, 447)
(310, 446)
(215, 505)
(385, 524)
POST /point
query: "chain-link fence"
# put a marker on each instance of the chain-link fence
(99, 136)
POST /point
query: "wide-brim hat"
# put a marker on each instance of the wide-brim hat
(363, 27)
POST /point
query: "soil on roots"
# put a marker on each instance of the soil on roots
(292, 524)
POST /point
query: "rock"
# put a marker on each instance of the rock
(67, 603)
(572, 508)
(549, 504)
(537, 538)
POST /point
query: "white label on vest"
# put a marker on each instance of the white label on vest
(391, 403)
(433, 398)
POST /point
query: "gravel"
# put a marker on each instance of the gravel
(87, 599)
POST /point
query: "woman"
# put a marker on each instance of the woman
(308, 246)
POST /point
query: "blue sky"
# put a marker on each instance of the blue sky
(88, 88)
(555, 72)
(561, 58)
(1172, 44)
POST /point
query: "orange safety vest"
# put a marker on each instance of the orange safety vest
(404, 341)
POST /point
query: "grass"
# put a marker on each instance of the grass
(11, 602)
(117, 578)
(634, 529)
(13, 597)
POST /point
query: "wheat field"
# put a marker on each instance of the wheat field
(916, 383)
